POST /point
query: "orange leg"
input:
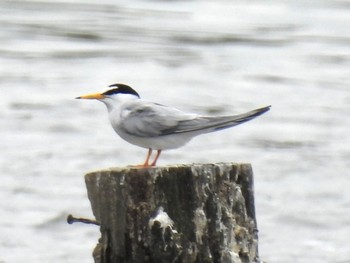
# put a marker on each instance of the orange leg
(155, 159)
(147, 158)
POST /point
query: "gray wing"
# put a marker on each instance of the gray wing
(150, 120)
(205, 124)
(145, 119)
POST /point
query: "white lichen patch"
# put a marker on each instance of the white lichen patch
(200, 222)
(162, 218)
(230, 257)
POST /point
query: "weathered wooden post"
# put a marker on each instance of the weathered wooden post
(186, 213)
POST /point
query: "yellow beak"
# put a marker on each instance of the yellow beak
(96, 96)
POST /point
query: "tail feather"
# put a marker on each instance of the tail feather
(210, 124)
(241, 118)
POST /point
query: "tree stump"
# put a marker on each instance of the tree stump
(185, 213)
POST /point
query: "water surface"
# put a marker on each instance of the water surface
(207, 57)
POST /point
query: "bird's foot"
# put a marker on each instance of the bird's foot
(146, 163)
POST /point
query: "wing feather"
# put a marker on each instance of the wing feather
(208, 124)
(151, 120)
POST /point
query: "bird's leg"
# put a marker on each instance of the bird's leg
(147, 158)
(155, 159)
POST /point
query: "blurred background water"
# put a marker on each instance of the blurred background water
(208, 57)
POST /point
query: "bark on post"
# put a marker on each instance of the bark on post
(186, 213)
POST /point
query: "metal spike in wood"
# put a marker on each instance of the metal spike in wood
(185, 213)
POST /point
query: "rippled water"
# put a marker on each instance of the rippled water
(201, 56)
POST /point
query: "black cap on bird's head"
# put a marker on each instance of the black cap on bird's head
(117, 88)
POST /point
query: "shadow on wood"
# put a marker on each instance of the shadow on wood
(188, 213)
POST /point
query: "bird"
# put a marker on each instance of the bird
(158, 127)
